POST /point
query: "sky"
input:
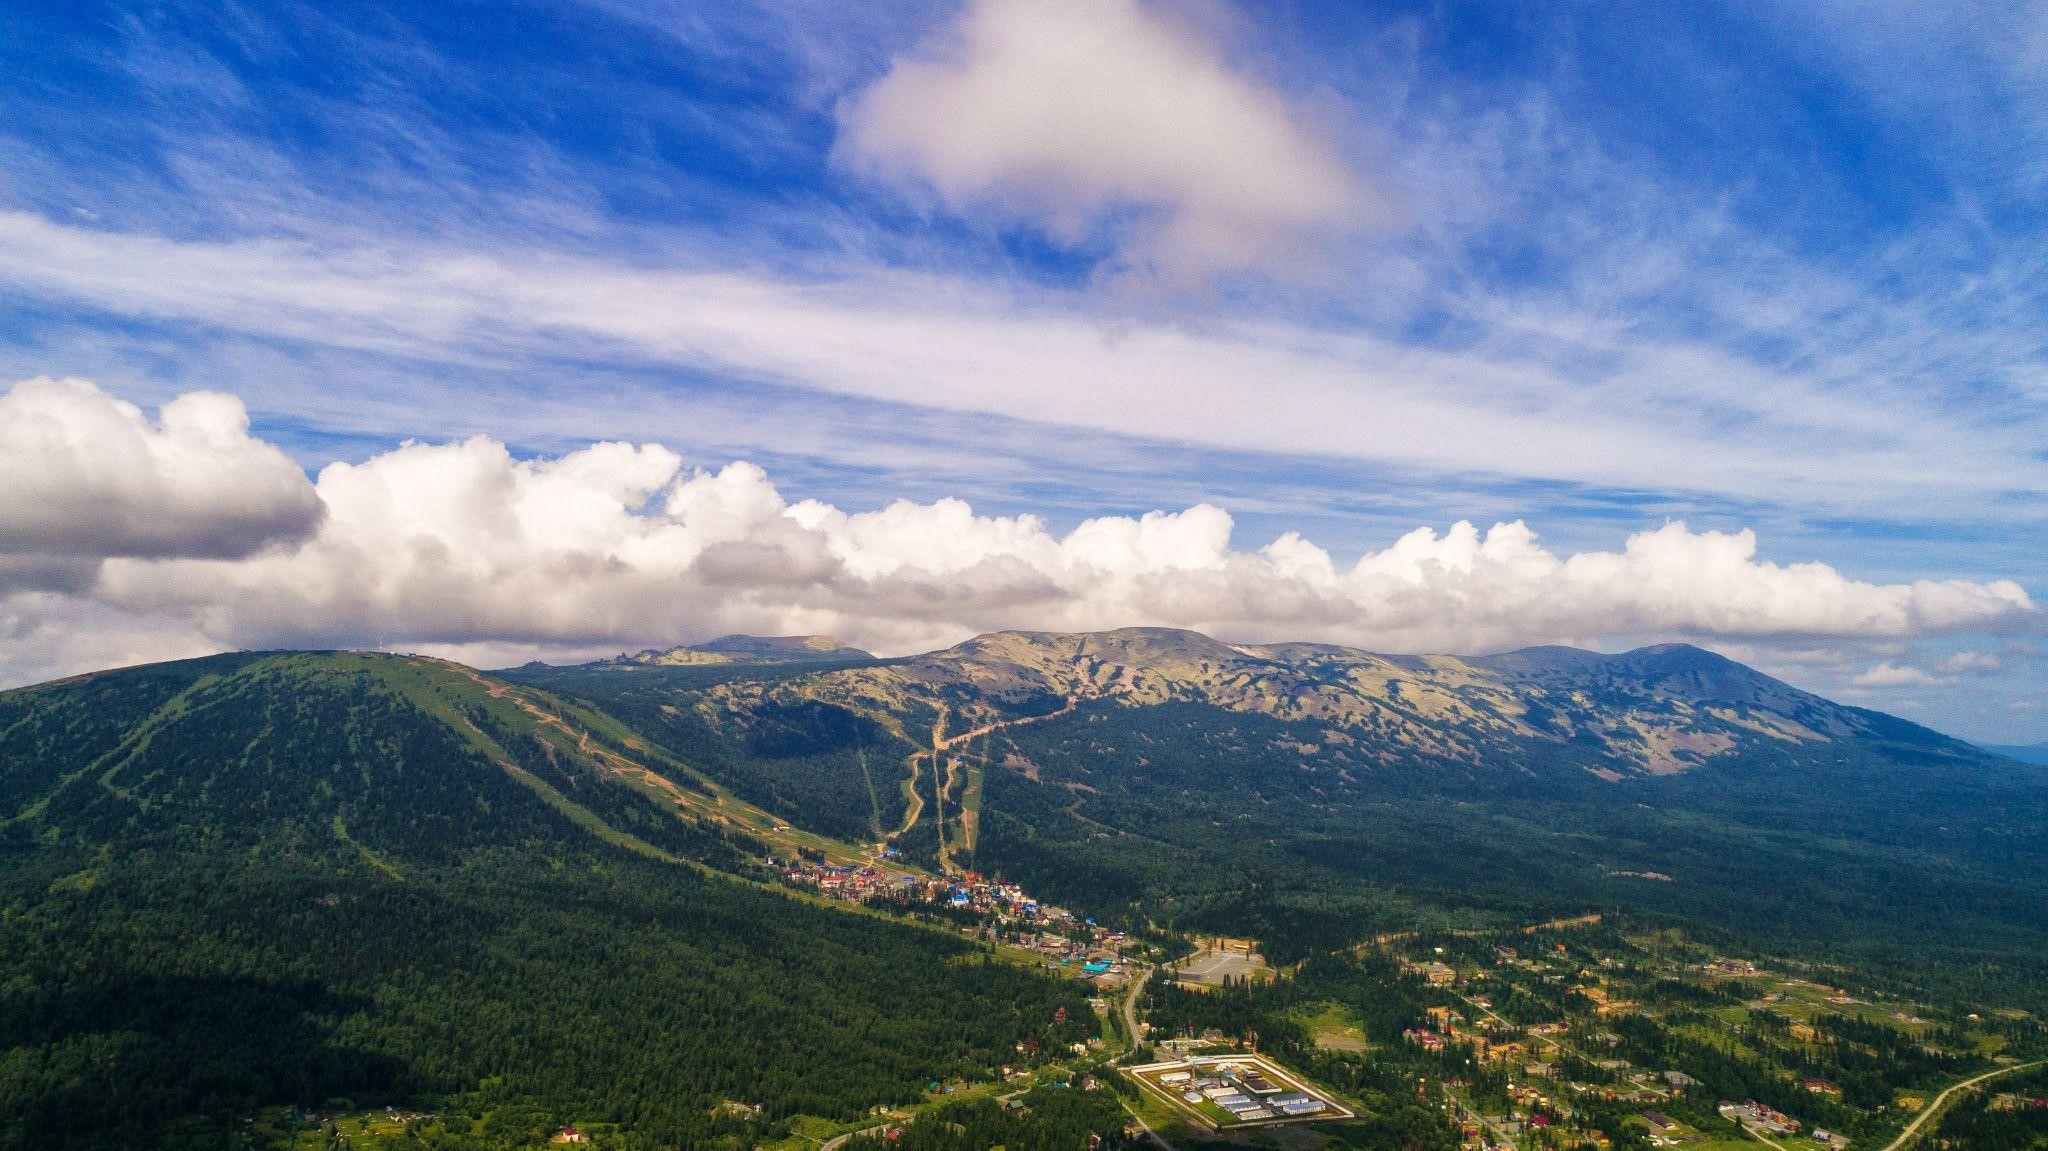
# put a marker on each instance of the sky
(549, 330)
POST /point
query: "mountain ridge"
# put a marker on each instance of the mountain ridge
(742, 649)
(1658, 709)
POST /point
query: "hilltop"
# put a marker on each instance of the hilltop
(292, 878)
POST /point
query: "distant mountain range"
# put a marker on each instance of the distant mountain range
(2029, 753)
(744, 649)
(1656, 710)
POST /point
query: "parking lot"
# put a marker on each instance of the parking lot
(1213, 968)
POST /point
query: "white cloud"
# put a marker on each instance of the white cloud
(84, 476)
(615, 545)
(1657, 419)
(1073, 112)
(1890, 674)
(1973, 663)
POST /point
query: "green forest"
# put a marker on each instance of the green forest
(249, 882)
(245, 895)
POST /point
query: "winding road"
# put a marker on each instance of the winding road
(1941, 1100)
(943, 777)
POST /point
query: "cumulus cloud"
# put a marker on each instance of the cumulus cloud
(465, 547)
(1075, 112)
(84, 476)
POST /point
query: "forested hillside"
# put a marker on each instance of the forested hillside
(1312, 796)
(334, 880)
(310, 879)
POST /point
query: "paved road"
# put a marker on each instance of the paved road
(1131, 1005)
(1934, 1108)
(1131, 1025)
(1761, 1135)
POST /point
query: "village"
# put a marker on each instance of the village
(1589, 1040)
(1550, 1033)
(998, 911)
(1542, 1044)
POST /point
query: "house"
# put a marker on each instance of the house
(1659, 1122)
(1820, 1087)
(1679, 1080)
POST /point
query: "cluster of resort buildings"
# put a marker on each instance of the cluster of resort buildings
(1008, 913)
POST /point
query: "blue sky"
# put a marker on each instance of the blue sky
(1341, 270)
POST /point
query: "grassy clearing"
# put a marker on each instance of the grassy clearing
(1332, 1026)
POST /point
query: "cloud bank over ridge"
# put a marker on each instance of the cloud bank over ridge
(462, 546)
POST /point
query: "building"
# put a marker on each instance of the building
(1302, 1107)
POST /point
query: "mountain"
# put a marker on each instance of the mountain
(534, 898)
(1656, 710)
(745, 649)
(2031, 753)
(1309, 794)
(302, 878)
